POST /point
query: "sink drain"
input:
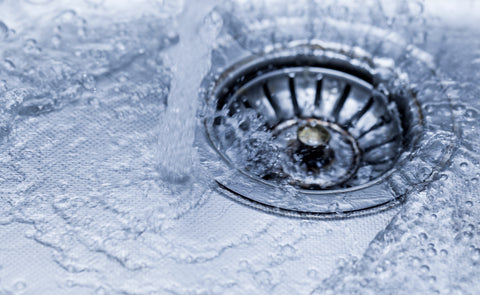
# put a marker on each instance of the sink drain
(326, 128)
(305, 131)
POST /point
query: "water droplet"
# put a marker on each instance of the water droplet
(30, 46)
(30, 234)
(471, 114)
(468, 235)
(66, 16)
(431, 252)
(88, 82)
(424, 268)
(412, 240)
(288, 250)
(423, 237)
(476, 255)
(416, 261)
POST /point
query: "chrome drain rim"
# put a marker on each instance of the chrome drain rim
(419, 133)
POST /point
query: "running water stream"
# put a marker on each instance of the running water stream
(197, 28)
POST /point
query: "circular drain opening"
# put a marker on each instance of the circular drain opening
(304, 131)
(316, 126)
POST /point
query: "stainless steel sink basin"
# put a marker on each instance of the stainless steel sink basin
(239, 147)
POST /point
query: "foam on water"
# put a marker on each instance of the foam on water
(97, 120)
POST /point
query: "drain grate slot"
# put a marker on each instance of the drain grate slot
(318, 93)
(341, 102)
(293, 94)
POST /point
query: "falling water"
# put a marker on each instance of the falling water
(197, 28)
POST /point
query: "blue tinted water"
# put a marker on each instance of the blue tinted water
(102, 190)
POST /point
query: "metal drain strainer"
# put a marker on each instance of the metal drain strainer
(299, 106)
(303, 133)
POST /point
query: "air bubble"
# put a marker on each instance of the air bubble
(476, 255)
(423, 237)
(67, 16)
(471, 114)
(468, 235)
(31, 46)
(431, 252)
(425, 268)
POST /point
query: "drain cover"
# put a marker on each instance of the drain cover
(303, 133)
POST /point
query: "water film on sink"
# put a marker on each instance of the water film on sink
(239, 147)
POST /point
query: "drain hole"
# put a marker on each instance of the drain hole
(313, 124)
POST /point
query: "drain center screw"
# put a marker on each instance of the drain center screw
(313, 136)
(313, 150)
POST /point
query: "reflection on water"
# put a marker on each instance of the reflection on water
(97, 165)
